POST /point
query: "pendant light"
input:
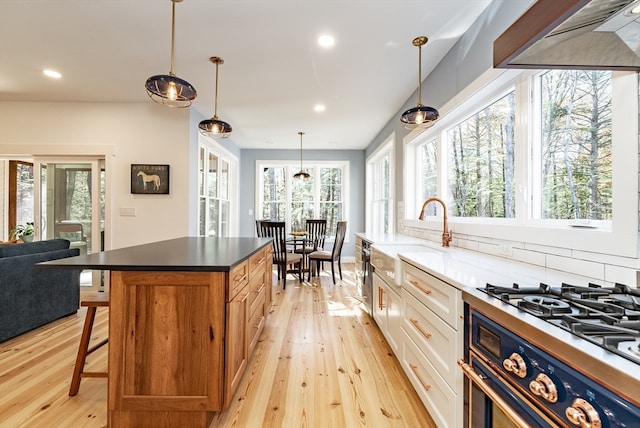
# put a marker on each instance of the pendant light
(167, 89)
(301, 175)
(214, 127)
(420, 116)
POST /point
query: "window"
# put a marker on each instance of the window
(574, 153)
(481, 158)
(283, 198)
(380, 196)
(214, 186)
(535, 157)
(20, 193)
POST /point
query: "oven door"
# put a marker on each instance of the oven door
(492, 403)
(367, 280)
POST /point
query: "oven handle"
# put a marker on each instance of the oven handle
(479, 381)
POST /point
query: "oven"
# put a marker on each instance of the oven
(522, 369)
(367, 277)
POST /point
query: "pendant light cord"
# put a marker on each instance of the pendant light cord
(420, 75)
(215, 103)
(301, 134)
(173, 27)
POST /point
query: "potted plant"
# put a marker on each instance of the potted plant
(23, 231)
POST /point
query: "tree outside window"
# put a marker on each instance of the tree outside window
(481, 162)
(576, 144)
(428, 186)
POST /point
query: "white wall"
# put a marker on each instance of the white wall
(126, 133)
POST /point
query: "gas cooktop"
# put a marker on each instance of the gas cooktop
(606, 316)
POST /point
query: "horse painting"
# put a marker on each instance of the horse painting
(155, 179)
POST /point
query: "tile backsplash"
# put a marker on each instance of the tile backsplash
(604, 269)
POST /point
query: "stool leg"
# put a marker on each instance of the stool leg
(82, 350)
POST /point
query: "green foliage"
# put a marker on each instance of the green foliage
(22, 230)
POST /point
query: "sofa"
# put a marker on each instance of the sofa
(30, 296)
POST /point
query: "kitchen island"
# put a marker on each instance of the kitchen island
(184, 316)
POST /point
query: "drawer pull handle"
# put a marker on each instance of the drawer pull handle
(239, 278)
(426, 386)
(422, 331)
(420, 287)
(380, 298)
(260, 289)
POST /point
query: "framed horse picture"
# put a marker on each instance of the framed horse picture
(150, 179)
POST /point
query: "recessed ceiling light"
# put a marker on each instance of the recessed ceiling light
(635, 10)
(326, 41)
(52, 73)
(319, 108)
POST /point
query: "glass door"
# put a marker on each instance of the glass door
(69, 199)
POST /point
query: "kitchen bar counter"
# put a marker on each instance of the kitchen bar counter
(184, 317)
(184, 254)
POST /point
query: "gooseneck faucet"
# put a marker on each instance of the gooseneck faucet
(446, 234)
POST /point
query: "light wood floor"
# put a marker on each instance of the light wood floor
(320, 362)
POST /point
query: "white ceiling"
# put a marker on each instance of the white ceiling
(273, 72)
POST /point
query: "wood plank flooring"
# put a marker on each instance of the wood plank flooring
(320, 362)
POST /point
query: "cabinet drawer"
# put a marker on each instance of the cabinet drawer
(437, 397)
(437, 340)
(256, 261)
(256, 289)
(443, 299)
(238, 278)
(255, 324)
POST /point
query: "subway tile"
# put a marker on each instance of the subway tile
(531, 257)
(613, 274)
(581, 267)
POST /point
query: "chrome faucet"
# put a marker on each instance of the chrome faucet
(446, 234)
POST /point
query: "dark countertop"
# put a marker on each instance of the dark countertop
(197, 254)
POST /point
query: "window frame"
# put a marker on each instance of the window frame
(373, 194)
(619, 238)
(291, 168)
(223, 156)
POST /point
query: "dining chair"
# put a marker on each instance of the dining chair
(259, 228)
(316, 233)
(333, 256)
(281, 257)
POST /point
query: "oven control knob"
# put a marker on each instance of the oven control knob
(516, 365)
(544, 387)
(583, 414)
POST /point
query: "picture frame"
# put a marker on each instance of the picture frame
(149, 179)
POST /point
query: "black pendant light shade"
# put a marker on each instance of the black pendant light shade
(419, 116)
(302, 174)
(167, 89)
(170, 91)
(214, 127)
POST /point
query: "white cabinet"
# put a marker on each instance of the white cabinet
(387, 311)
(432, 327)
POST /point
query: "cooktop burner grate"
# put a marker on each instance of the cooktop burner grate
(606, 316)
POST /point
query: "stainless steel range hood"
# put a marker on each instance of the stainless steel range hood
(574, 34)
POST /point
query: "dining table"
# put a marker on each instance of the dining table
(299, 240)
(302, 240)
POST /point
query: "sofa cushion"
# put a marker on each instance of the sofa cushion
(11, 250)
(31, 296)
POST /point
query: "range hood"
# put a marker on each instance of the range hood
(573, 34)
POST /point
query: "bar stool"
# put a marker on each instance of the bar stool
(92, 304)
